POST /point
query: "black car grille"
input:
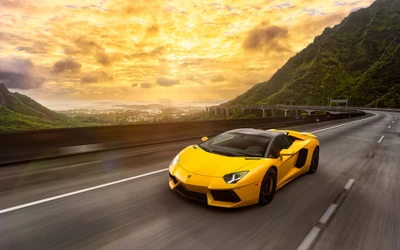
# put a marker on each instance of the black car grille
(190, 194)
(173, 178)
(225, 195)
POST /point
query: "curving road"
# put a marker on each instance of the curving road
(121, 200)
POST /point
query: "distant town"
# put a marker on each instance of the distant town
(127, 114)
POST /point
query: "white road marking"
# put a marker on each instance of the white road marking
(344, 124)
(349, 184)
(328, 213)
(3, 211)
(309, 239)
(6, 210)
(380, 140)
(389, 127)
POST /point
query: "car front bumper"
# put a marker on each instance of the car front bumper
(217, 195)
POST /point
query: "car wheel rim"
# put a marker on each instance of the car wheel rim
(268, 187)
(315, 162)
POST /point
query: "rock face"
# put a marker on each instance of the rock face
(358, 58)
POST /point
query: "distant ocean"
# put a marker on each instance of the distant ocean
(111, 104)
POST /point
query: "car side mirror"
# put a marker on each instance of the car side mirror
(286, 152)
(205, 138)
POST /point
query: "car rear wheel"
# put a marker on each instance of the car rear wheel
(268, 187)
(314, 161)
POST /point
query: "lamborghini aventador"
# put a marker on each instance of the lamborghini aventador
(243, 166)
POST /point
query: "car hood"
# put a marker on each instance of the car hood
(195, 160)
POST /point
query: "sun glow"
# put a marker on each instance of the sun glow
(187, 44)
(95, 49)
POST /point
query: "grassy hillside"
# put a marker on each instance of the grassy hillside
(28, 102)
(19, 112)
(358, 58)
(10, 120)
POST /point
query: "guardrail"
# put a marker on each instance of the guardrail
(38, 144)
(380, 109)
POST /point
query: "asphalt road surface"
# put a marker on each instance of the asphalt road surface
(121, 199)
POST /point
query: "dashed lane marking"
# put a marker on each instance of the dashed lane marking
(328, 213)
(349, 184)
(312, 236)
(309, 239)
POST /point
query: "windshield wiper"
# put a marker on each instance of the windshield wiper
(227, 153)
(217, 151)
(247, 154)
(222, 152)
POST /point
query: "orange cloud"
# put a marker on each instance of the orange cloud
(266, 38)
(96, 77)
(167, 82)
(198, 49)
(67, 65)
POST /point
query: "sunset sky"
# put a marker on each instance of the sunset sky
(147, 50)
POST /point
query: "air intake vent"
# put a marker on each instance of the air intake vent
(225, 195)
(173, 178)
(190, 194)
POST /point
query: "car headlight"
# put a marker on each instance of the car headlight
(175, 160)
(234, 177)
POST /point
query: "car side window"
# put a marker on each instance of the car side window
(290, 139)
(278, 144)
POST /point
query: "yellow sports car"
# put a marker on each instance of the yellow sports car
(243, 166)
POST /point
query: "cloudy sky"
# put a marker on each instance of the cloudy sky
(146, 50)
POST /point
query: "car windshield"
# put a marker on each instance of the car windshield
(237, 144)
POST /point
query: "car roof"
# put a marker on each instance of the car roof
(259, 132)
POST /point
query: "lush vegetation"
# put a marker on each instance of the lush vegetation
(358, 59)
(19, 112)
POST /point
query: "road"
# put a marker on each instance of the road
(60, 203)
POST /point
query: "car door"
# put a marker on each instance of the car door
(284, 164)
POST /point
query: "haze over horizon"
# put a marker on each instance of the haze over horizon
(148, 50)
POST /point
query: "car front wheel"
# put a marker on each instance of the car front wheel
(268, 187)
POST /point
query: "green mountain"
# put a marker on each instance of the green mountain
(19, 112)
(358, 58)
